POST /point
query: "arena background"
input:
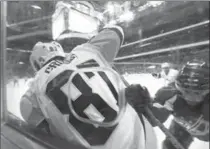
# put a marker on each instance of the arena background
(172, 32)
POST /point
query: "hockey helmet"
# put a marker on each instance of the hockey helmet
(193, 78)
(43, 52)
(165, 65)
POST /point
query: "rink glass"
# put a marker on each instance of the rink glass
(179, 36)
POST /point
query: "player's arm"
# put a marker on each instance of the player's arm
(107, 41)
(162, 106)
(30, 110)
(160, 112)
(164, 94)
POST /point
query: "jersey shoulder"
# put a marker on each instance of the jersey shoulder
(165, 93)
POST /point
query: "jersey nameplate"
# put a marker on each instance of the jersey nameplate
(53, 65)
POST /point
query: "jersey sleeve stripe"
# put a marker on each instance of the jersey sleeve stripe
(109, 84)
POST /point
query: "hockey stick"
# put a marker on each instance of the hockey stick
(150, 115)
(168, 134)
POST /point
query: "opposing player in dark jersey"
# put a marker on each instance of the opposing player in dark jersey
(187, 101)
(189, 104)
(82, 98)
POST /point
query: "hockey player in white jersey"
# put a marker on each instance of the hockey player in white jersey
(168, 73)
(80, 98)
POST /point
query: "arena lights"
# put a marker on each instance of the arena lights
(36, 7)
(112, 22)
(151, 67)
(127, 16)
(21, 63)
(150, 4)
(100, 16)
(155, 3)
(110, 7)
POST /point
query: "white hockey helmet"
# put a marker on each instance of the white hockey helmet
(43, 52)
(165, 65)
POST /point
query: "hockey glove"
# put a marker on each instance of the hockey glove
(138, 97)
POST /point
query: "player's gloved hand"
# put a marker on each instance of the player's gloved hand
(138, 97)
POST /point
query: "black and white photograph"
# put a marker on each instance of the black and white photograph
(105, 74)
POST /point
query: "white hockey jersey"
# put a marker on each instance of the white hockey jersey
(48, 99)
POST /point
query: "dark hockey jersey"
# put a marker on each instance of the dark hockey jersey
(195, 119)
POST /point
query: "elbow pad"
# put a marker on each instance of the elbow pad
(117, 29)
